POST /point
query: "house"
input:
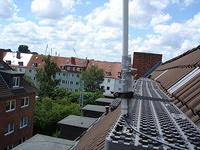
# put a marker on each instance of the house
(71, 69)
(17, 98)
(73, 126)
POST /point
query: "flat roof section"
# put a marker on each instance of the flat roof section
(11, 72)
(96, 108)
(105, 100)
(78, 121)
(44, 142)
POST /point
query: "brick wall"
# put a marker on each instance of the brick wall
(15, 117)
(144, 61)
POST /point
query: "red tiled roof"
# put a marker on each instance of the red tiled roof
(112, 69)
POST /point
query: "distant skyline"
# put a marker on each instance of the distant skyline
(94, 27)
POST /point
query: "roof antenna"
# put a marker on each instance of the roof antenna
(75, 52)
(46, 49)
(126, 94)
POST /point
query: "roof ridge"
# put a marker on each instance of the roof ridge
(182, 55)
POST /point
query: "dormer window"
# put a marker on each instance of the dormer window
(16, 82)
(8, 62)
(20, 63)
(35, 64)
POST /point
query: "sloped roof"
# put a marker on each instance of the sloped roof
(186, 96)
(111, 69)
(7, 92)
(94, 139)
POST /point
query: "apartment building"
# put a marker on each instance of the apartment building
(17, 99)
(71, 69)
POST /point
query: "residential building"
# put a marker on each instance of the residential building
(17, 100)
(71, 69)
(145, 63)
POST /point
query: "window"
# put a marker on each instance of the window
(68, 68)
(8, 62)
(22, 140)
(25, 102)
(20, 63)
(119, 89)
(108, 80)
(71, 82)
(108, 88)
(9, 129)
(77, 83)
(63, 81)
(102, 87)
(10, 106)
(77, 75)
(9, 147)
(30, 70)
(16, 81)
(23, 122)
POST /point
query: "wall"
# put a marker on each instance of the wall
(70, 132)
(15, 116)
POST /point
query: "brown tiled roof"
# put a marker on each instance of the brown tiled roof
(187, 97)
(95, 137)
(111, 68)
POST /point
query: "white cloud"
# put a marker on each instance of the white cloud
(7, 9)
(52, 9)
(172, 39)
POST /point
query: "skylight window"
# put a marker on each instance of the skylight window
(184, 80)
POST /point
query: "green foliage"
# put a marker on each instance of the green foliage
(46, 77)
(92, 78)
(48, 112)
(23, 49)
(68, 96)
(29, 80)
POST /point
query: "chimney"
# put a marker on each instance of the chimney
(107, 109)
(18, 55)
(73, 61)
(1, 55)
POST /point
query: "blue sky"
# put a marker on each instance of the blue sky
(93, 27)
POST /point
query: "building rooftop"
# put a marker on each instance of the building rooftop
(156, 123)
(105, 100)
(11, 72)
(7, 92)
(78, 121)
(97, 108)
(165, 112)
(43, 142)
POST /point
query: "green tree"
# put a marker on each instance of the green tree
(46, 78)
(92, 78)
(23, 49)
(48, 112)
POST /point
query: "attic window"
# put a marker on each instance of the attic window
(16, 81)
(119, 74)
(108, 73)
(8, 62)
(20, 63)
(61, 67)
(34, 64)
